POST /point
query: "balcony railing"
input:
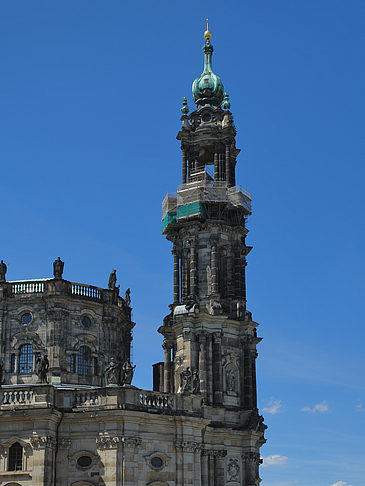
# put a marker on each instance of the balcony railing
(85, 398)
(28, 286)
(86, 291)
(50, 286)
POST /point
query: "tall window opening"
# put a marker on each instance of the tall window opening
(73, 364)
(84, 361)
(15, 457)
(26, 358)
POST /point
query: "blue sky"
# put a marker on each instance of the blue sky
(90, 98)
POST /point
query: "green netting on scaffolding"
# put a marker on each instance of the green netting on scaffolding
(170, 218)
(192, 209)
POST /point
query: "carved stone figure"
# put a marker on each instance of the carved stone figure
(189, 381)
(231, 380)
(112, 372)
(3, 269)
(112, 280)
(127, 297)
(2, 372)
(58, 268)
(196, 382)
(233, 470)
(215, 307)
(118, 373)
(42, 368)
(127, 372)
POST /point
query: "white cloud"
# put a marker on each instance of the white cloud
(340, 483)
(273, 406)
(274, 460)
(360, 408)
(320, 407)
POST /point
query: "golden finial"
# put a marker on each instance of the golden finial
(207, 33)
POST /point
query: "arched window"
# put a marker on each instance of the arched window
(15, 457)
(26, 358)
(84, 361)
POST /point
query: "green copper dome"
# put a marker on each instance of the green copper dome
(208, 86)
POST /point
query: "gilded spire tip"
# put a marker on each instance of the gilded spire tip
(207, 33)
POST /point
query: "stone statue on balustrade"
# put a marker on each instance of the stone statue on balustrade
(118, 373)
(189, 381)
(58, 268)
(2, 372)
(127, 373)
(3, 269)
(112, 372)
(42, 368)
(112, 280)
(127, 297)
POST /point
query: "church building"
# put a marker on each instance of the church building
(69, 412)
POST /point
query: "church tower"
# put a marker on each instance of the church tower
(210, 338)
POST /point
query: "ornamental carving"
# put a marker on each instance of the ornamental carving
(43, 442)
(27, 338)
(107, 442)
(231, 379)
(220, 453)
(188, 446)
(252, 458)
(64, 443)
(131, 441)
(233, 470)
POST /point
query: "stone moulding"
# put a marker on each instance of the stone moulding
(113, 442)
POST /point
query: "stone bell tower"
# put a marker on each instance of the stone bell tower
(209, 337)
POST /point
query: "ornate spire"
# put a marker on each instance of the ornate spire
(207, 33)
(208, 88)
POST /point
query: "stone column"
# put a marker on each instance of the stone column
(184, 167)
(211, 469)
(202, 366)
(197, 463)
(217, 369)
(253, 371)
(243, 280)
(209, 346)
(247, 373)
(167, 368)
(221, 167)
(242, 373)
(237, 273)
(219, 467)
(204, 475)
(43, 460)
(251, 462)
(214, 267)
(185, 277)
(229, 274)
(228, 165)
(193, 269)
(216, 165)
(176, 275)
(128, 463)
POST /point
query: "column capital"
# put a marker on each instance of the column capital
(42, 442)
(188, 446)
(217, 336)
(130, 441)
(107, 442)
(252, 458)
(202, 336)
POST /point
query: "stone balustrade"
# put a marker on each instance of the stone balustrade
(22, 289)
(112, 397)
(17, 397)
